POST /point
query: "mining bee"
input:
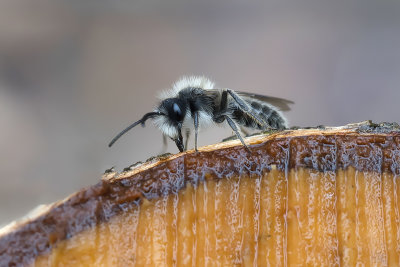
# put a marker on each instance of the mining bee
(194, 102)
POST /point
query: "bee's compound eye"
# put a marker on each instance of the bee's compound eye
(178, 112)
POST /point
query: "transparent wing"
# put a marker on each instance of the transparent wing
(281, 103)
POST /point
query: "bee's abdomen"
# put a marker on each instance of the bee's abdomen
(269, 114)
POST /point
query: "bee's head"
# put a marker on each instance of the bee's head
(169, 117)
(171, 124)
(175, 109)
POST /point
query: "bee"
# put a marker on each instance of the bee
(194, 102)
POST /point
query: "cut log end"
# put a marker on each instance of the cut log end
(319, 196)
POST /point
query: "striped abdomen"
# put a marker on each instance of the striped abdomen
(268, 113)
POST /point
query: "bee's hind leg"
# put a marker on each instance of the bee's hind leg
(232, 124)
(246, 109)
(242, 131)
(229, 138)
(187, 138)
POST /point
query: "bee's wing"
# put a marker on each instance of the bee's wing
(282, 104)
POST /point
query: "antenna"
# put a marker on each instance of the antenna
(141, 121)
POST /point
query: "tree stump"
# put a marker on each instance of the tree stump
(320, 196)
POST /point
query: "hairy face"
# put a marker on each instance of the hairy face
(171, 123)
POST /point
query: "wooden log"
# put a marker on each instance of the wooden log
(325, 196)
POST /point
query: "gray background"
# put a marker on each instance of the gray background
(74, 73)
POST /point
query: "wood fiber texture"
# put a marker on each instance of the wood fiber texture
(315, 197)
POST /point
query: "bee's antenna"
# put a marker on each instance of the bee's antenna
(141, 121)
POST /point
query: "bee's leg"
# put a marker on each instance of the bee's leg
(224, 100)
(165, 144)
(187, 138)
(219, 115)
(246, 109)
(232, 124)
(196, 128)
(179, 140)
(229, 138)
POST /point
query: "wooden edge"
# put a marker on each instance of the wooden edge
(365, 127)
(36, 233)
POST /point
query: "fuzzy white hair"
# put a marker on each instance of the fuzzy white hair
(185, 82)
(165, 127)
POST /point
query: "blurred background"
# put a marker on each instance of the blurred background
(74, 73)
